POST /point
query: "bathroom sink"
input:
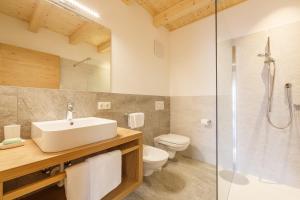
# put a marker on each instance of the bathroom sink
(59, 135)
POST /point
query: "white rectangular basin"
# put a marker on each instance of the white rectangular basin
(59, 135)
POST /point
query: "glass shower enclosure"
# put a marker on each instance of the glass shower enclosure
(258, 101)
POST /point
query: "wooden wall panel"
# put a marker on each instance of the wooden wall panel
(28, 68)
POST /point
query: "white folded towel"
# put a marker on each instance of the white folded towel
(136, 120)
(105, 173)
(77, 182)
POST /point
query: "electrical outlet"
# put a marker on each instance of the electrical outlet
(100, 105)
(107, 105)
(104, 105)
(159, 105)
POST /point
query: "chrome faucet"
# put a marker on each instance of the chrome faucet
(70, 110)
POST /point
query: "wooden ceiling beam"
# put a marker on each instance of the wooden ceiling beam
(80, 34)
(86, 32)
(183, 12)
(178, 10)
(104, 47)
(202, 13)
(144, 3)
(39, 14)
(147, 6)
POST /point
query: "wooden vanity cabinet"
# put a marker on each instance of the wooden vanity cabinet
(28, 159)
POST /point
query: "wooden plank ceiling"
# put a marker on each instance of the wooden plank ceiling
(42, 14)
(174, 14)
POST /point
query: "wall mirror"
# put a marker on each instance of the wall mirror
(62, 49)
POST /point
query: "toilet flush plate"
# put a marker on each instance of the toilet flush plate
(159, 105)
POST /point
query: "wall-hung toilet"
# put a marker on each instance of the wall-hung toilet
(172, 143)
(154, 159)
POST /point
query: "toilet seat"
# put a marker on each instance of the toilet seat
(151, 154)
(173, 140)
(153, 159)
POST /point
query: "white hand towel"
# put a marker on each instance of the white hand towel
(131, 121)
(105, 173)
(136, 120)
(77, 182)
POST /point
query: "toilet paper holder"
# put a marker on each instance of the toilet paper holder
(206, 122)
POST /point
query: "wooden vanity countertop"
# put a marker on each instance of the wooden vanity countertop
(29, 158)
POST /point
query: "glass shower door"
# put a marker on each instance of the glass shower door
(226, 116)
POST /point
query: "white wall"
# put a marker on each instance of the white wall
(256, 15)
(135, 69)
(192, 63)
(192, 87)
(192, 59)
(192, 53)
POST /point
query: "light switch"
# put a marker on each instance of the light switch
(159, 105)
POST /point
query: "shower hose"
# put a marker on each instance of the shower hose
(271, 81)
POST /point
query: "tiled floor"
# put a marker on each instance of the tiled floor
(185, 179)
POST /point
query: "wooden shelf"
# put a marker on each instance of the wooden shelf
(33, 187)
(59, 193)
(128, 150)
(18, 162)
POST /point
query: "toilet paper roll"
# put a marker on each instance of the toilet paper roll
(12, 131)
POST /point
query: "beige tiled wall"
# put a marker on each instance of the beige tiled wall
(186, 115)
(25, 105)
